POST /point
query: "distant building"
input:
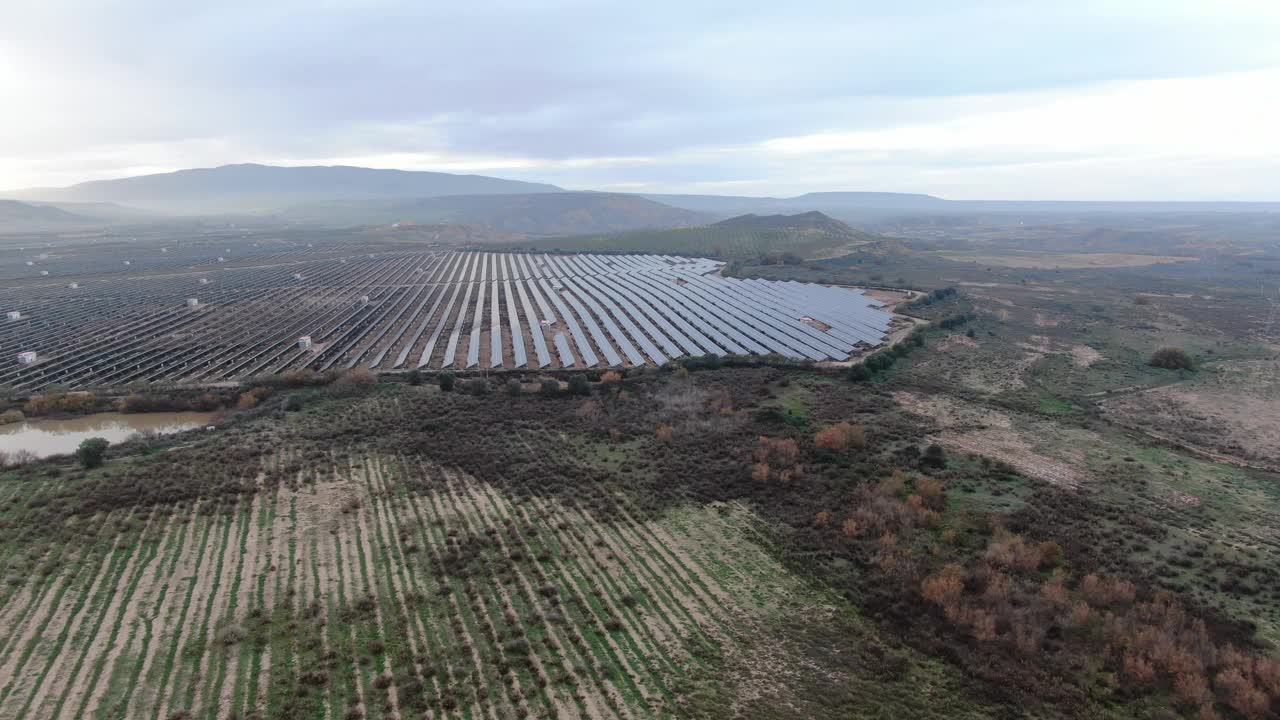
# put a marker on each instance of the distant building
(14, 315)
(26, 358)
(73, 286)
(304, 342)
(193, 302)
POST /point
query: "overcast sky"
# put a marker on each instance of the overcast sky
(1020, 100)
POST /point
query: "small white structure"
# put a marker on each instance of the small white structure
(44, 272)
(128, 262)
(297, 276)
(304, 342)
(364, 299)
(73, 286)
(221, 259)
(26, 358)
(30, 263)
(164, 250)
(14, 315)
(204, 281)
(193, 302)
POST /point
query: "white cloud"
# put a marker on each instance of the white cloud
(696, 97)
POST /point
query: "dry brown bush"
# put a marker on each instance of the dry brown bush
(822, 519)
(924, 516)
(75, 403)
(944, 587)
(663, 433)
(1241, 695)
(779, 452)
(760, 472)
(1101, 591)
(895, 484)
(252, 397)
(1050, 554)
(9, 417)
(840, 437)
(1080, 615)
(1055, 593)
(1009, 550)
(720, 402)
(590, 410)
(1191, 689)
(1138, 670)
(931, 491)
(611, 377)
(354, 382)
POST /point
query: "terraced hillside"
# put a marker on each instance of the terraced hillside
(391, 587)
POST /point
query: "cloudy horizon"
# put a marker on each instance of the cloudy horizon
(1026, 100)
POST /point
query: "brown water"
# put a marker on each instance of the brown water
(55, 437)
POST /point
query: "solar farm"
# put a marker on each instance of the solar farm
(187, 317)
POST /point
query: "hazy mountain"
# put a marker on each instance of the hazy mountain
(250, 188)
(525, 214)
(13, 212)
(874, 205)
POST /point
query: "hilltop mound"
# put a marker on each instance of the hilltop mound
(762, 238)
(812, 221)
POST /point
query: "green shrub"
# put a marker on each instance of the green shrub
(879, 362)
(91, 452)
(934, 456)
(414, 377)
(514, 388)
(579, 385)
(447, 381)
(549, 387)
(858, 373)
(1171, 358)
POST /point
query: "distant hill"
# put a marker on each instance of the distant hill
(871, 206)
(535, 214)
(253, 188)
(757, 238)
(812, 221)
(13, 212)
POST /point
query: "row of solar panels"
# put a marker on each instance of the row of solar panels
(635, 309)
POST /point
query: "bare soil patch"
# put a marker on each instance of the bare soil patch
(1233, 410)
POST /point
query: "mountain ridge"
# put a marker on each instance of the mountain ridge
(251, 187)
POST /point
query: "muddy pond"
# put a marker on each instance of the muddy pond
(55, 437)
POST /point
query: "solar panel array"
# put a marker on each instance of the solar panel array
(466, 310)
